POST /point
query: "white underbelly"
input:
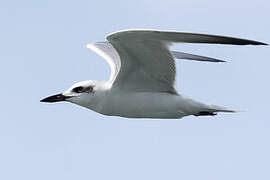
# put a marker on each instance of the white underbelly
(146, 105)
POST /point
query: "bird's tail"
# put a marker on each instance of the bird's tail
(212, 110)
(215, 108)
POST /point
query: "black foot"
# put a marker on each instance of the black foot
(205, 113)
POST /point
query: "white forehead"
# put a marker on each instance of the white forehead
(84, 83)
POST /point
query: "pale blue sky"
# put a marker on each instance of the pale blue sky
(43, 52)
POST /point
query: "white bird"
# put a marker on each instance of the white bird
(142, 80)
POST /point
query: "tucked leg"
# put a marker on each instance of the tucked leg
(205, 113)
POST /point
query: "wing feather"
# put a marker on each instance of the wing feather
(176, 37)
(181, 55)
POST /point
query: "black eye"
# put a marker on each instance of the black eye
(78, 89)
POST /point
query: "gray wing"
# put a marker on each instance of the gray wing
(176, 37)
(107, 51)
(181, 55)
(146, 65)
(146, 62)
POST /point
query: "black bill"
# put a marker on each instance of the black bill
(55, 98)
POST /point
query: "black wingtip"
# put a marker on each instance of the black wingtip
(259, 43)
(221, 61)
(247, 42)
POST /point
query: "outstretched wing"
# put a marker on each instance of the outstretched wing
(176, 37)
(146, 62)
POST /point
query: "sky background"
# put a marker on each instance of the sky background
(43, 52)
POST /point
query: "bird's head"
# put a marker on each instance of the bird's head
(82, 93)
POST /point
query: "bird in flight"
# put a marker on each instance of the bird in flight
(142, 79)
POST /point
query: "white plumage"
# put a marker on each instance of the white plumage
(141, 84)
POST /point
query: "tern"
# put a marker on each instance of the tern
(142, 79)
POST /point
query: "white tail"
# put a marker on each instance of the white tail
(216, 108)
